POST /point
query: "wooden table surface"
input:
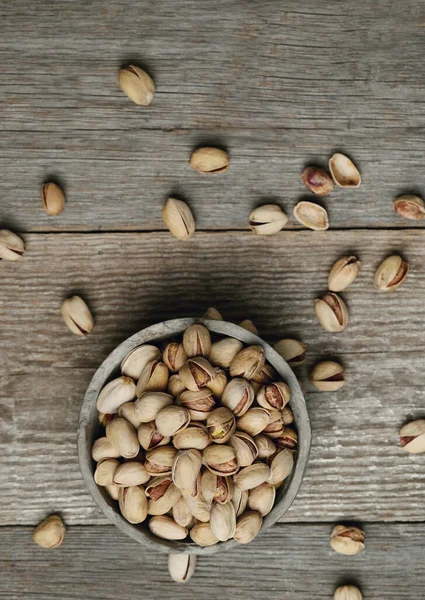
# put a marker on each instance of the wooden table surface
(280, 85)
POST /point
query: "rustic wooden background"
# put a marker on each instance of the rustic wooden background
(280, 85)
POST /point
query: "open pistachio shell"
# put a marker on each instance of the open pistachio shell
(311, 215)
(12, 247)
(293, 351)
(317, 181)
(172, 419)
(412, 437)
(344, 171)
(410, 207)
(254, 421)
(267, 219)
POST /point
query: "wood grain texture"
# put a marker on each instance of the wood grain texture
(356, 470)
(286, 562)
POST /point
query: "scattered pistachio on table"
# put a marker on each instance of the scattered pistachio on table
(317, 181)
(181, 567)
(347, 540)
(137, 85)
(327, 376)
(77, 316)
(267, 219)
(332, 312)
(311, 215)
(49, 533)
(412, 437)
(410, 207)
(344, 171)
(348, 592)
(209, 160)
(178, 218)
(343, 273)
(12, 246)
(391, 273)
(293, 351)
(52, 198)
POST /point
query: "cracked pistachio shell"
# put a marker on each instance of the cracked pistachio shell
(254, 421)
(252, 476)
(105, 470)
(218, 383)
(287, 416)
(287, 438)
(343, 273)
(182, 514)
(103, 448)
(133, 504)
(166, 528)
(245, 448)
(391, 273)
(113, 491)
(149, 437)
(11, 246)
(172, 419)
(178, 218)
(223, 521)
(327, 376)
(317, 181)
(158, 486)
(164, 503)
(221, 425)
(275, 427)
(130, 473)
(159, 461)
(149, 404)
(410, 207)
(52, 198)
(238, 396)
(186, 467)
(174, 356)
(209, 160)
(194, 436)
(249, 326)
(267, 219)
(196, 373)
(348, 592)
(265, 375)
(213, 313)
(332, 312)
(181, 567)
(137, 85)
(248, 526)
(203, 535)
(311, 215)
(124, 437)
(199, 507)
(77, 315)
(49, 534)
(412, 437)
(261, 498)
(116, 393)
(248, 362)
(264, 445)
(224, 351)
(137, 359)
(199, 403)
(281, 465)
(293, 351)
(153, 378)
(344, 171)
(239, 500)
(216, 488)
(126, 411)
(275, 395)
(220, 459)
(347, 540)
(197, 341)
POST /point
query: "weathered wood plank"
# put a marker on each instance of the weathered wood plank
(356, 470)
(289, 561)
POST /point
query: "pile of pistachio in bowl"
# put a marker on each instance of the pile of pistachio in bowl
(198, 438)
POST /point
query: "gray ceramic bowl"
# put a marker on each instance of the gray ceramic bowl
(89, 430)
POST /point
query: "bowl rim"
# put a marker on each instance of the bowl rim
(156, 334)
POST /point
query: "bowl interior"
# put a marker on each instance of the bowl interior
(89, 429)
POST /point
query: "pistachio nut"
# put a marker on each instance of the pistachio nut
(153, 378)
(49, 533)
(317, 181)
(213, 314)
(130, 473)
(137, 359)
(149, 436)
(311, 215)
(178, 218)
(286, 439)
(199, 403)
(133, 504)
(261, 498)
(344, 171)
(247, 526)
(162, 504)
(113, 491)
(348, 592)
(159, 461)
(238, 396)
(181, 566)
(175, 385)
(332, 312)
(410, 207)
(216, 488)
(220, 459)
(252, 476)
(209, 160)
(239, 500)
(77, 315)
(174, 356)
(347, 540)
(254, 421)
(166, 528)
(221, 425)
(275, 395)
(412, 437)
(196, 373)
(223, 521)
(182, 514)
(115, 394)
(158, 486)
(390, 274)
(103, 448)
(275, 427)
(249, 326)
(52, 198)
(186, 467)
(224, 351)
(293, 351)
(126, 411)
(11, 246)
(343, 273)
(264, 445)
(124, 437)
(148, 405)
(281, 465)
(194, 436)
(137, 85)
(199, 507)
(245, 448)
(267, 219)
(218, 383)
(172, 419)
(197, 341)
(248, 362)
(265, 375)
(287, 416)
(203, 535)
(327, 376)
